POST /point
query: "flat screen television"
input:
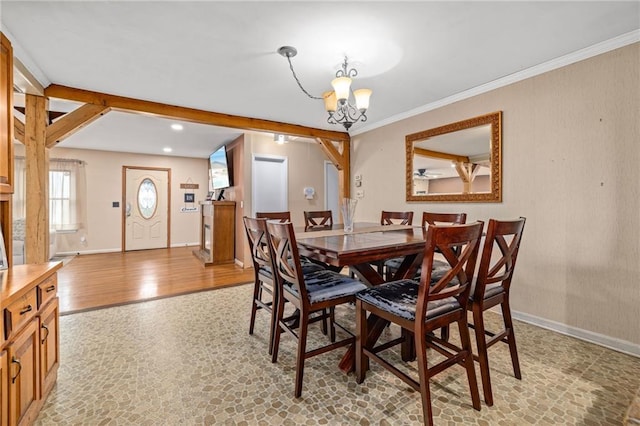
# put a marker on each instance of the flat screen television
(220, 170)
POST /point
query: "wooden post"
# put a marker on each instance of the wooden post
(37, 185)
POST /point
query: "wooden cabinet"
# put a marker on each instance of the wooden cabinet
(4, 389)
(32, 347)
(6, 117)
(217, 232)
(49, 342)
(24, 380)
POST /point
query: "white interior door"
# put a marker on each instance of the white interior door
(331, 191)
(146, 209)
(269, 184)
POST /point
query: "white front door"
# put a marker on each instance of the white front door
(146, 208)
(269, 184)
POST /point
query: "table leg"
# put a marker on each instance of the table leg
(376, 326)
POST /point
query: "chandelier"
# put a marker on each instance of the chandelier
(336, 101)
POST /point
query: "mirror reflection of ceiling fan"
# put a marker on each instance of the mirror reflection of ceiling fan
(423, 174)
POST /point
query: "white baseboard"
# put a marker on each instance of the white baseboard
(73, 253)
(240, 264)
(184, 245)
(619, 345)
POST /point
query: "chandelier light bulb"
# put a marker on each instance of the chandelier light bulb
(330, 101)
(362, 98)
(341, 86)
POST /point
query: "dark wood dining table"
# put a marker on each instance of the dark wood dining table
(367, 244)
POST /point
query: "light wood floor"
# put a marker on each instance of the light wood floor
(101, 280)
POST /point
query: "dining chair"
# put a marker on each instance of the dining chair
(263, 266)
(392, 218)
(491, 288)
(391, 266)
(281, 216)
(421, 308)
(321, 219)
(310, 294)
(396, 218)
(262, 259)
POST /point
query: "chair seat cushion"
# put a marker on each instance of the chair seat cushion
(489, 291)
(327, 285)
(438, 270)
(307, 268)
(400, 298)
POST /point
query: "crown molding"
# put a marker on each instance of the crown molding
(579, 55)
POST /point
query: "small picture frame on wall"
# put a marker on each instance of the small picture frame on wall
(189, 198)
(3, 253)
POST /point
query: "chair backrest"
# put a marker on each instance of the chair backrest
(259, 244)
(396, 218)
(287, 258)
(281, 216)
(429, 218)
(506, 235)
(322, 219)
(459, 245)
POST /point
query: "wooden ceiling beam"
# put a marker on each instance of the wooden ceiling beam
(189, 114)
(72, 122)
(342, 162)
(332, 152)
(18, 130)
(441, 155)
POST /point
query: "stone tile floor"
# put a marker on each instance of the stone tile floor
(190, 360)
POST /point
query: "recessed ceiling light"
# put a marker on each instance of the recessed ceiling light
(177, 127)
(167, 149)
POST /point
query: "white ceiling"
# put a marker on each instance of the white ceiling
(221, 56)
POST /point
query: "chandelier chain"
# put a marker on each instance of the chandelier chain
(298, 81)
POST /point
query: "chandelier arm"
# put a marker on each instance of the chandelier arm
(298, 81)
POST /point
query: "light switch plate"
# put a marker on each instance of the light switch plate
(360, 193)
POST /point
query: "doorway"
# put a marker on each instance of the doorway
(269, 182)
(146, 213)
(331, 191)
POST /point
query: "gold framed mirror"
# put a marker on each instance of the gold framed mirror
(460, 161)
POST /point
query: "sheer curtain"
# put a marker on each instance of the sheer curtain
(19, 188)
(67, 194)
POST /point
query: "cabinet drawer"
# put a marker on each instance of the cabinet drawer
(20, 312)
(47, 290)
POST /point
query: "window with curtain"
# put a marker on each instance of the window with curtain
(67, 195)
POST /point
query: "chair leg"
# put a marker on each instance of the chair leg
(423, 374)
(444, 333)
(274, 323)
(277, 331)
(361, 338)
(254, 306)
(332, 322)
(483, 357)
(325, 319)
(511, 338)
(302, 347)
(465, 341)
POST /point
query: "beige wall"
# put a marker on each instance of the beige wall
(103, 231)
(571, 150)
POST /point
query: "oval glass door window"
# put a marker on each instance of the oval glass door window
(147, 198)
